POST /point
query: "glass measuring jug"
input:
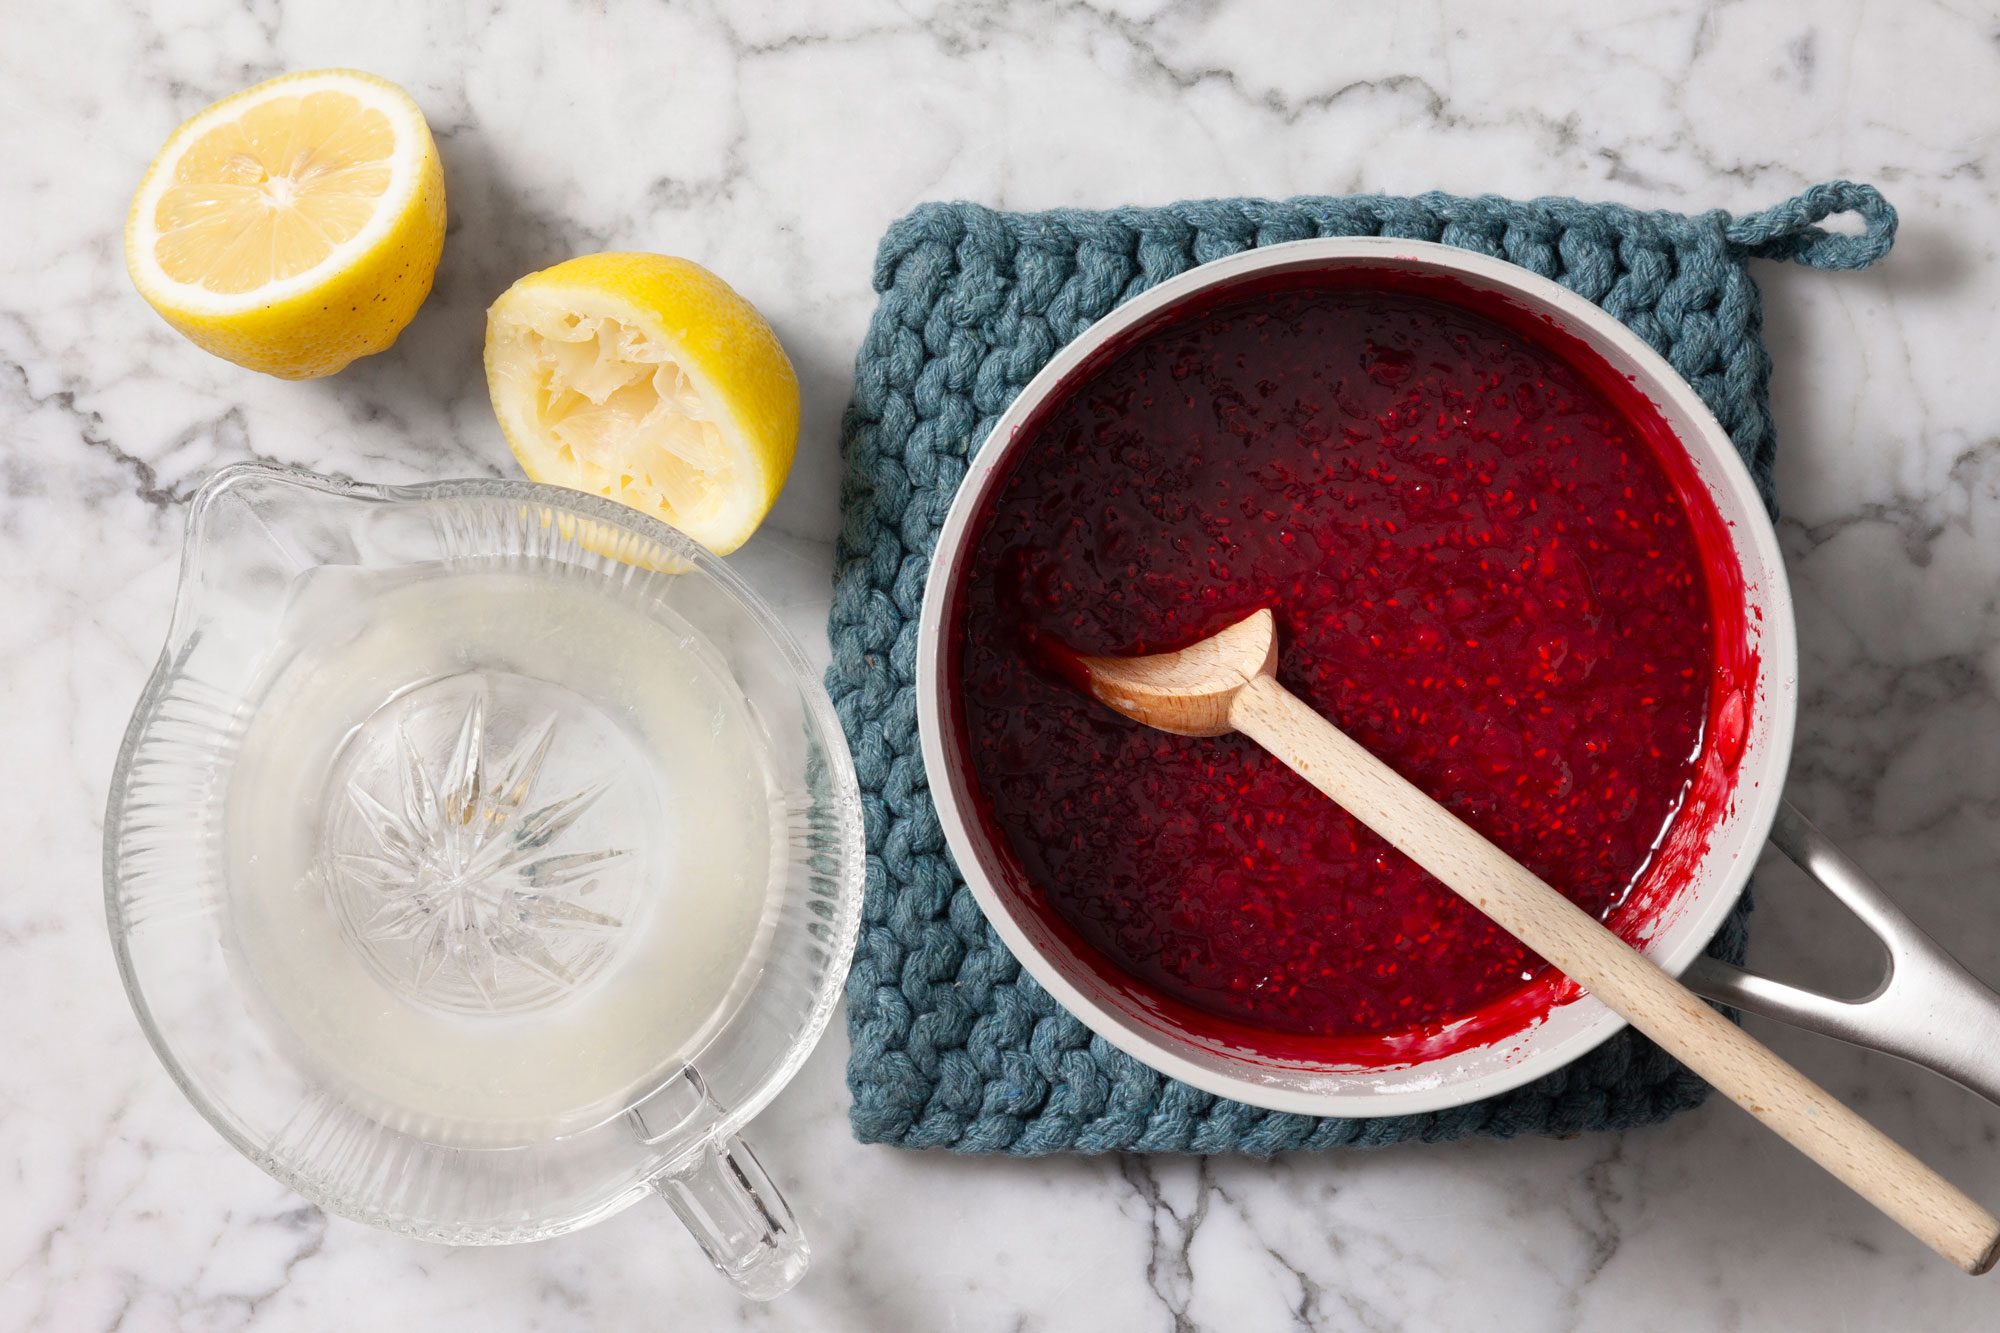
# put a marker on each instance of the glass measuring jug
(481, 857)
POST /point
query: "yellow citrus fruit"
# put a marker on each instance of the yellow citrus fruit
(294, 226)
(647, 380)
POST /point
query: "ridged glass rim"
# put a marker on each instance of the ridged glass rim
(844, 925)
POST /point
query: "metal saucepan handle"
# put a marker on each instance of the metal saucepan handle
(1928, 1009)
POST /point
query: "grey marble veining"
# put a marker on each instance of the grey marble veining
(773, 143)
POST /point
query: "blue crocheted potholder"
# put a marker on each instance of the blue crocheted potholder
(955, 1046)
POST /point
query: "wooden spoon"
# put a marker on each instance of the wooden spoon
(1225, 683)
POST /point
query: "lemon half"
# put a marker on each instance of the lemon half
(294, 226)
(647, 380)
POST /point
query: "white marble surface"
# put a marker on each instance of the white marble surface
(774, 143)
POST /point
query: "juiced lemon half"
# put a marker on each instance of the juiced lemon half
(294, 226)
(647, 380)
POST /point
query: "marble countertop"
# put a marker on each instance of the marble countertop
(774, 147)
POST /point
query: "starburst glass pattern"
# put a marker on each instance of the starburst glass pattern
(469, 870)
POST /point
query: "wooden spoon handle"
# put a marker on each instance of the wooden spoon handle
(1746, 1071)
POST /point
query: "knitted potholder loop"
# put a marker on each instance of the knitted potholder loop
(1787, 231)
(954, 1045)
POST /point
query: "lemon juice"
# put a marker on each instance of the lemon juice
(498, 844)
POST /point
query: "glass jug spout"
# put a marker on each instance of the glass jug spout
(253, 529)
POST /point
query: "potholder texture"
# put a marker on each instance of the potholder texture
(954, 1045)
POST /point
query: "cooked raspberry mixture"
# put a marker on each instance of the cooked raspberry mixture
(1480, 571)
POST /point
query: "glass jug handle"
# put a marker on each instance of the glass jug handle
(721, 1193)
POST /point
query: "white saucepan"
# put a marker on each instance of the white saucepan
(1927, 1009)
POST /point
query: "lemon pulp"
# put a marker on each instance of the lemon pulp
(647, 380)
(272, 194)
(621, 418)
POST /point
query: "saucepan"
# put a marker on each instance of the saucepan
(1926, 1009)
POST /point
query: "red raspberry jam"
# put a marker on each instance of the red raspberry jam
(1481, 569)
